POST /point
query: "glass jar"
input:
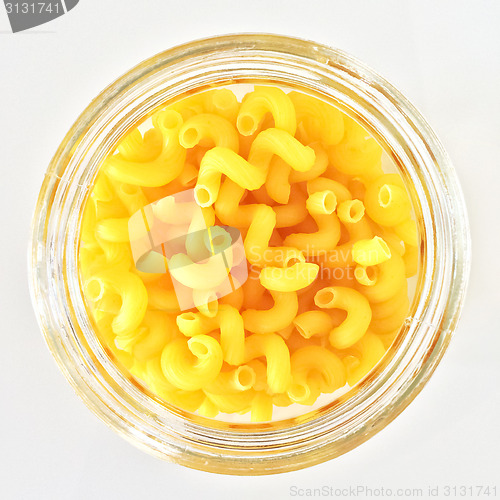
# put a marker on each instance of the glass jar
(321, 434)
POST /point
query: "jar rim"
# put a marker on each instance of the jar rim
(266, 448)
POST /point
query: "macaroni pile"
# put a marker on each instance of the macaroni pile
(328, 236)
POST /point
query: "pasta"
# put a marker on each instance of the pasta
(358, 310)
(310, 300)
(265, 100)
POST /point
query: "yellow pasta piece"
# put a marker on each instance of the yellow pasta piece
(261, 408)
(289, 279)
(407, 231)
(191, 364)
(220, 161)
(391, 277)
(257, 239)
(324, 184)
(321, 202)
(274, 141)
(234, 381)
(115, 230)
(153, 173)
(314, 370)
(131, 290)
(366, 275)
(136, 147)
(386, 200)
(319, 166)
(363, 356)
(265, 100)
(271, 320)
(208, 127)
(275, 350)
(410, 258)
(370, 252)
(230, 323)
(283, 256)
(321, 120)
(358, 310)
(325, 238)
(312, 323)
(351, 211)
(277, 183)
(357, 153)
(160, 329)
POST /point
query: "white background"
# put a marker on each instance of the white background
(444, 55)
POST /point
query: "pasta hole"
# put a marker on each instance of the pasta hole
(94, 289)
(385, 196)
(223, 101)
(299, 392)
(246, 125)
(324, 298)
(170, 120)
(356, 211)
(245, 377)
(329, 202)
(129, 190)
(302, 331)
(203, 196)
(199, 349)
(190, 138)
(291, 261)
(212, 306)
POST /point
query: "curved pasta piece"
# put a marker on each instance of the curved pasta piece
(319, 166)
(278, 317)
(283, 256)
(324, 239)
(387, 201)
(350, 211)
(275, 350)
(220, 161)
(289, 279)
(265, 100)
(359, 314)
(261, 408)
(153, 173)
(191, 364)
(277, 142)
(325, 184)
(311, 323)
(362, 357)
(391, 278)
(358, 153)
(370, 252)
(234, 381)
(321, 202)
(115, 230)
(314, 370)
(218, 101)
(230, 323)
(208, 127)
(321, 120)
(139, 148)
(257, 239)
(160, 329)
(131, 290)
(191, 274)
